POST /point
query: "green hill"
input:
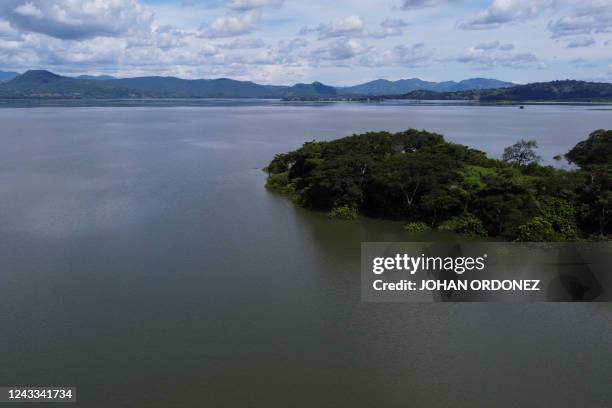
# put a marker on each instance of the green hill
(555, 91)
(45, 84)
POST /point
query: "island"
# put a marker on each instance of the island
(422, 179)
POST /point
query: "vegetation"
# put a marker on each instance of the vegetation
(39, 84)
(44, 84)
(416, 227)
(419, 177)
(522, 153)
(381, 87)
(345, 213)
(562, 91)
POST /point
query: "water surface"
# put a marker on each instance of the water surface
(143, 261)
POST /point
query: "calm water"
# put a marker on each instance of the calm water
(142, 260)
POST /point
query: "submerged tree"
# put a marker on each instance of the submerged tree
(522, 153)
(419, 177)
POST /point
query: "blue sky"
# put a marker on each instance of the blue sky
(287, 41)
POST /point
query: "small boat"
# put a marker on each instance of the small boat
(521, 107)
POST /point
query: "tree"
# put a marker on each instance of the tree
(522, 153)
(419, 177)
(596, 150)
(595, 198)
(594, 156)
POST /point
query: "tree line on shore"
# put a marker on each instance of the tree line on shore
(418, 177)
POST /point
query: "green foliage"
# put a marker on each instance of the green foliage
(594, 198)
(522, 153)
(562, 216)
(594, 193)
(555, 222)
(466, 224)
(416, 227)
(538, 229)
(566, 90)
(503, 204)
(343, 213)
(280, 183)
(596, 150)
(418, 176)
(473, 176)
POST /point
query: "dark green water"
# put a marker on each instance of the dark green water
(142, 261)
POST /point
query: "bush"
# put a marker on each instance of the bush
(280, 183)
(416, 227)
(345, 213)
(466, 224)
(539, 229)
(562, 217)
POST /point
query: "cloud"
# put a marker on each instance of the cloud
(339, 49)
(76, 19)
(494, 45)
(390, 27)
(289, 46)
(232, 25)
(7, 31)
(495, 54)
(587, 17)
(416, 4)
(28, 10)
(580, 42)
(411, 55)
(244, 43)
(582, 63)
(506, 11)
(343, 27)
(245, 5)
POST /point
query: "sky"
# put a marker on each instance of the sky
(339, 42)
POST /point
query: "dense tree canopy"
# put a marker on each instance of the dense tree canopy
(419, 177)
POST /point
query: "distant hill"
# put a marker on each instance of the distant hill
(558, 91)
(96, 77)
(7, 76)
(381, 87)
(45, 84)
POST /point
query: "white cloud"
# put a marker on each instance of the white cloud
(506, 11)
(76, 19)
(491, 55)
(251, 39)
(289, 46)
(416, 4)
(28, 10)
(244, 43)
(580, 42)
(339, 49)
(342, 27)
(587, 17)
(391, 27)
(232, 25)
(494, 45)
(411, 55)
(243, 5)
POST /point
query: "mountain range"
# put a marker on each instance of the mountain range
(559, 91)
(45, 84)
(7, 76)
(381, 87)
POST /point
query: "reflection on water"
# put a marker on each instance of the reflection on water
(143, 261)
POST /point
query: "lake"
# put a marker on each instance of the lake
(143, 261)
